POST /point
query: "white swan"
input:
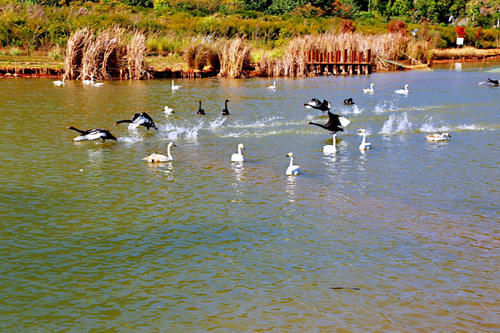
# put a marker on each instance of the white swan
(292, 170)
(438, 137)
(238, 157)
(364, 145)
(87, 82)
(273, 86)
(59, 83)
(95, 84)
(369, 90)
(168, 111)
(175, 87)
(402, 91)
(331, 149)
(159, 157)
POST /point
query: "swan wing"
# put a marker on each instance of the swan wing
(344, 121)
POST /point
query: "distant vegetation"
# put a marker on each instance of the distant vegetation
(175, 27)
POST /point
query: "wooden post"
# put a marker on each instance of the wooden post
(360, 60)
(368, 60)
(344, 60)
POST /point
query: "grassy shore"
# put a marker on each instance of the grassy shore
(177, 63)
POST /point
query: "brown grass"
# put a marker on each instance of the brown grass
(105, 55)
(201, 55)
(464, 52)
(234, 56)
(388, 46)
(136, 54)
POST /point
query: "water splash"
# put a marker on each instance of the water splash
(386, 106)
(353, 110)
(217, 123)
(429, 127)
(471, 127)
(396, 124)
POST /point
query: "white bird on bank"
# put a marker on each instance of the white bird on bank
(364, 145)
(159, 157)
(273, 86)
(174, 86)
(331, 149)
(369, 90)
(59, 83)
(292, 169)
(402, 91)
(438, 137)
(238, 157)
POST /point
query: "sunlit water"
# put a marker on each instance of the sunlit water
(94, 238)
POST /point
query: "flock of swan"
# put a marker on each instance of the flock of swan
(334, 124)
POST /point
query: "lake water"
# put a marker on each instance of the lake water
(93, 238)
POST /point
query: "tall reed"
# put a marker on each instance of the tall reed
(234, 56)
(387, 46)
(105, 55)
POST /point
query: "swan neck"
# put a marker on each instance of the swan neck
(168, 152)
(239, 150)
(364, 139)
(291, 161)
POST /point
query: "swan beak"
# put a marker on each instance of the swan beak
(116, 124)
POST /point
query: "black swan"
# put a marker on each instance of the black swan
(348, 101)
(142, 119)
(92, 134)
(225, 111)
(495, 82)
(200, 110)
(316, 104)
(335, 123)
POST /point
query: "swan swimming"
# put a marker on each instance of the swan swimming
(292, 169)
(96, 84)
(59, 83)
(331, 149)
(87, 82)
(142, 119)
(225, 111)
(175, 87)
(238, 157)
(200, 110)
(159, 157)
(438, 137)
(92, 134)
(273, 86)
(168, 111)
(364, 145)
(402, 91)
(369, 90)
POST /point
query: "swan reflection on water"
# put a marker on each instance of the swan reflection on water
(290, 188)
(238, 169)
(164, 169)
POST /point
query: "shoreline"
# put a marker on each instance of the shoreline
(31, 71)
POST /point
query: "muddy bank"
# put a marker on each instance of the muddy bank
(165, 73)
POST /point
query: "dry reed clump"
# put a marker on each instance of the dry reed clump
(201, 55)
(467, 51)
(105, 56)
(234, 56)
(388, 46)
(77, 43)
(136, 55)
